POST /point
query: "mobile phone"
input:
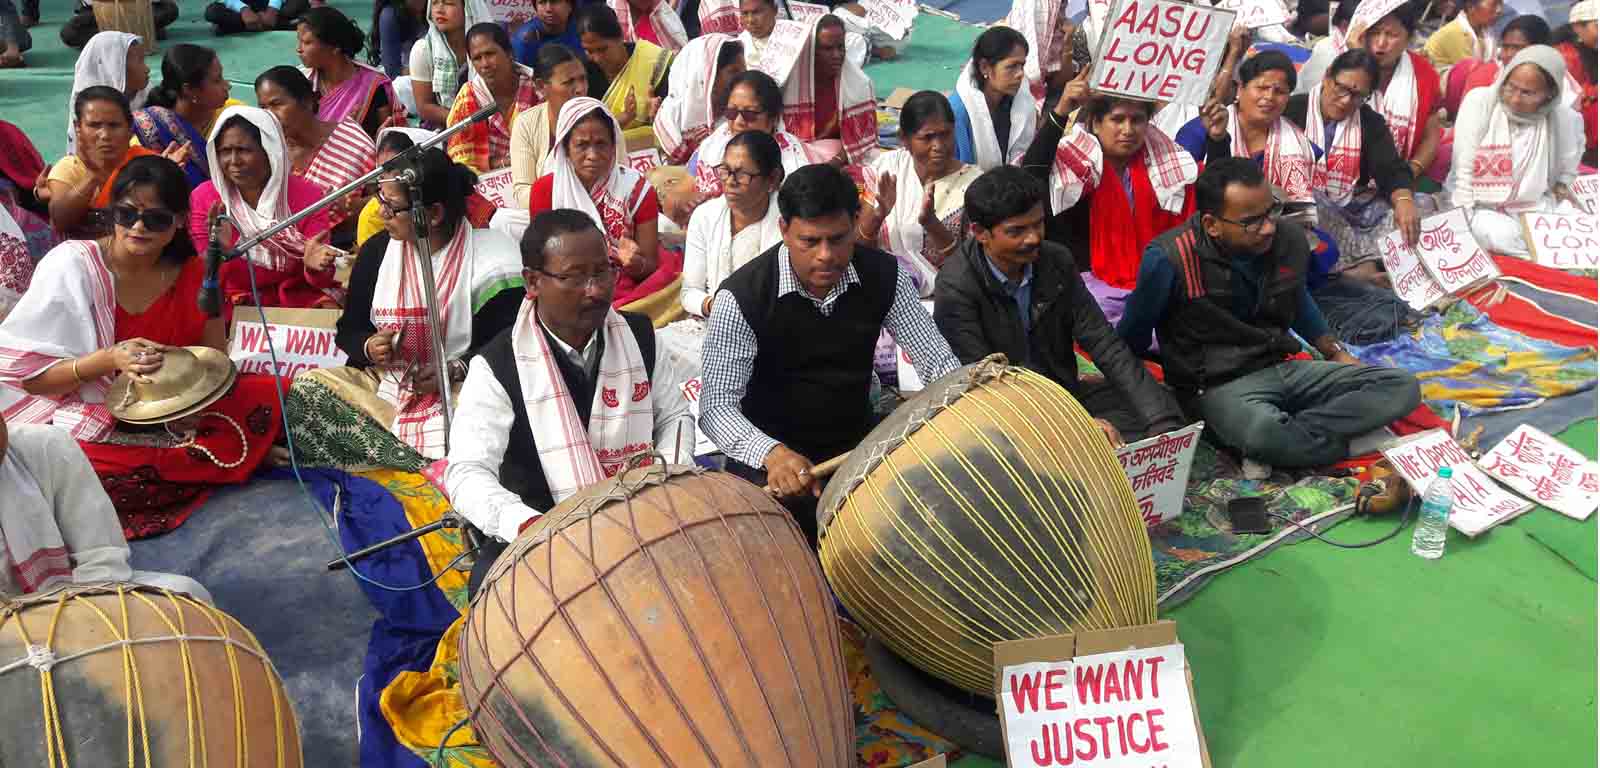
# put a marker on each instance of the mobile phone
(1248, 514)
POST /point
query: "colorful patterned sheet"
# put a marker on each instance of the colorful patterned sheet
(1468, 364)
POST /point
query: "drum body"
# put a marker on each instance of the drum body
(666, 617)
(136, 17)
(988, 508)
(118, 674)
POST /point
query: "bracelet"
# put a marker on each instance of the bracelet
(75, 375)
(1057, 119)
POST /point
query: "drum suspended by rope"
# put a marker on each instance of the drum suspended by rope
(987, 508)
(119, 674)
(667, 617)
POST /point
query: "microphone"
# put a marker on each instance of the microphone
(209, 299)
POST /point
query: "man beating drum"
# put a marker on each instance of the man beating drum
(789, 343)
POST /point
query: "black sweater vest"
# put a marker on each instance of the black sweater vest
(812, 375)
(520, 471)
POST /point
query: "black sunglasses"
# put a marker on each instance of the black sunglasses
(155, 219)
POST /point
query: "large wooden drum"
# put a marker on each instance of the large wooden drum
(132, 16)
(118, 674)
(987, 508)
(667, 617)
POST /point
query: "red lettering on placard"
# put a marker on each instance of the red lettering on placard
(1089, 683)
(1027, 689)
(1156, 744)
(250, 338)
(1051, 684)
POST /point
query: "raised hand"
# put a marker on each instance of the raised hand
(887, 191)
(1214, 115)
(320, 255)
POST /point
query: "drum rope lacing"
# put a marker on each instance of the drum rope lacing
(42, 658)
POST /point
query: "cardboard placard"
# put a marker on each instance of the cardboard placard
(1255, 14)
(891, 17)
(898, 98)
(1546, 471)
(805, 13)
(644, 160)
(511, 13)
(1158, 470)
(303, 340)
(937, 761)
(495, 186)
(1587, 189)
(691, 392)
(1563, 240)
(783, 47)
(1410, 280)
(1115, 698)
(1160, 50)
(1480, 504)
(1448, 252)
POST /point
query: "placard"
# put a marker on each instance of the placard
(1480, 504)
(511, 13)
(1410, 280)
(891, 17)
(1546, 471)
(1160, 50)
(1255, 14)
(906, 376)
(644, 160)
(1451, 254)
(495, 186)
(1120, 701)
(805, 13)
(1563, 240)
(303, 340)
(782, 49)
(1158, 470)
(691, 392)
(1587, 190)
(937, 761)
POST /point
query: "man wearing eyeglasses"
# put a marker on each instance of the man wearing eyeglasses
(787, 361)
(1222, 293)
(564, 398)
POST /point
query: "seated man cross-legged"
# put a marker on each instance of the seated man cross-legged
(1222, 293)
(566, 397)
(1009, 290)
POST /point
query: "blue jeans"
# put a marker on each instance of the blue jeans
(1302, 413)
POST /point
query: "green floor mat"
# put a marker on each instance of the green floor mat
(1571, 540)
(931, 59)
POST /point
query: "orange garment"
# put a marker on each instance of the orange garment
(102, 199)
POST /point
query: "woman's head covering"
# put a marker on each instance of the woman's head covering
(445, 66)
(567, 191)
(104, 61)
(685, 117)
(1512, 167)
(1545, 58)
(286, 247)
(664, 17)
(1588, 10)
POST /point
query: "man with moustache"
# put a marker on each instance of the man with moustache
(565, 397)
(787, 360)
(1009, 290)
(1222, 293)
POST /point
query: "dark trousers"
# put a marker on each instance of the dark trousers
(82, 26)
(229, 22)
(1104, 401)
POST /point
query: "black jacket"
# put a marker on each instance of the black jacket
(979, 318)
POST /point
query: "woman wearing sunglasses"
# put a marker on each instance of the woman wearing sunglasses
(755, 103)
(118, 304)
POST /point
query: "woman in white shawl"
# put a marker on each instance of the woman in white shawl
(995, 116)
(384, 328)
(437, 60)
(1516, 150)
(114, 59)
(653, 21)
(755, 103)
(727, 232)
(697, 93)
(916, 207)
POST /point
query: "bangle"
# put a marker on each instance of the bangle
(1057, 119)
(75, 375)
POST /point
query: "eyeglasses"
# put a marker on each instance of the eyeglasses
(386, 208)
(749, 115)
(155, 219)
(733, 175)
(1342, 92)
(1254, 223)
(578, 281)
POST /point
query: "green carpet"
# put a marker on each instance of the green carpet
(931, 59)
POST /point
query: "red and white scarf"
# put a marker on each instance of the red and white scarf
(287, 249)
(669, 28)
(721, 16)
(1288, 156)
(68, 312)
(621, 418)
(614, 200)
(985, 146)
(1339, 169)
(685, 117)
(1398, 104)
(1369, 12)
(793, 151)
(1080, 160)
(1037, 21)
(858, 104)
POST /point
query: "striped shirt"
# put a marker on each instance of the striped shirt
(344, 157)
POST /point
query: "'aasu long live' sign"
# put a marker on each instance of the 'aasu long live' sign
(1161, 50)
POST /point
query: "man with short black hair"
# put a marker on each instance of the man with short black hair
(564, 398)
(788, 352)
(1009, 290)
(1222, 293)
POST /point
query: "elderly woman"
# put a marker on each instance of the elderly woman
(652, 21)
(1470, 36)
(184, 107)
(828, 102)
(995, 118)
(916, 206)
(559, 76)
(725, 233)
(1470, 74)
(439, 58)
(637, 73)
(79, 185)
(697, 94)
(1516, 150)
(346, 89)
(496, 79)
(327, 154)
(120, 303)
(585, 173)
(251, 182)
(112, 59)
(755, 103)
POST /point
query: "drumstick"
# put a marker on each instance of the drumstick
(821, 471)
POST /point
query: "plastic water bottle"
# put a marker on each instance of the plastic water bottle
(1428, 539)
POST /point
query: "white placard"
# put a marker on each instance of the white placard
(1127, 709)
(1255, 14)
(805, 13)
(1158, 470)
(644, 160)
(1563, 240)
(299, 348)
(1547, 471)
(1160, 50)
(1411, 281)
(1587, 189)
(1451, 254)
(906, 376)
(495, 186)
(691, 392)
(783, 49)
(891, 17)
(511, 13)
(1480, 504)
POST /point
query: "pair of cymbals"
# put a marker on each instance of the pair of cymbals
(190, 378)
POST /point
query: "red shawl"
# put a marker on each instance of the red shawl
(1117, 238)
(19, 161)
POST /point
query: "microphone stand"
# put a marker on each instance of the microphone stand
(423, 253)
